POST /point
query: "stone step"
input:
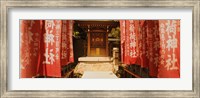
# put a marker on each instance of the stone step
(94, 59)
(93, 66)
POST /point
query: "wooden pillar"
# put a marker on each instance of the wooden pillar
(107, 41)
(88, 50)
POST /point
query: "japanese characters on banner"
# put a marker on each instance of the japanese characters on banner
(153, 47)
(133, 53)
(154, 44)
(67, 54)
(129, 42)
(51, 48)
(45, 45)
(30, 32)
(170, 49)
(64, 43)
(143, 49)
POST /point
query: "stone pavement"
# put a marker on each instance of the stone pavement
(93, 66)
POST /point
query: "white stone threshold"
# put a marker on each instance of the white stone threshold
(94, 59)
(99, 74)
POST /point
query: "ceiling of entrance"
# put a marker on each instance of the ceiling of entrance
(97, 25)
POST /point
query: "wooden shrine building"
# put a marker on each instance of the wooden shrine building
(97, 36)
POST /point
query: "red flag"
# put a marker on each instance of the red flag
(126, 44)
(67, 55)
(64, 43)
(70, 31)
(137, 34)
(122, 34)
(153, 47)
(156, 45)
(50, 50)
(132, 45)
(30, 31)
(129, 41)
(170, 49)
(143, 44)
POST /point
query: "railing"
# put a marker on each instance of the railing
(69, 74)
(132, 71)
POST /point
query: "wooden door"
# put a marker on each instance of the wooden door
(97, 44)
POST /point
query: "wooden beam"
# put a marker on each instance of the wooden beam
(103, 31)
(88, 49)
(107, 41)
(91, 23)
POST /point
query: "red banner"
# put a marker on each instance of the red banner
(143, 49)
(45, 45)
(153, 47)
(153, 44)
(64, 43)
(129, 41)
(67, 54)
(122, 34)
(30, 32)
(50, 49)
(170, 49)
(70, 33)
(126, 44)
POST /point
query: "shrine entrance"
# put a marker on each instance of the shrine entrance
(97, 43)
(97, 36)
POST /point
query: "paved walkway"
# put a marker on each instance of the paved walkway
(93, 66)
